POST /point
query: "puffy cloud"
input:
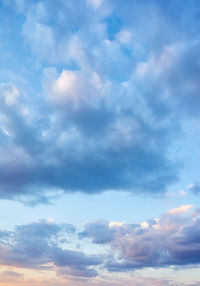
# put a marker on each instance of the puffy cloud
(44, 245)
(84, 139)
(9, 93)
(107, 112)
(55, 25)
(74, 88)
(100, 107)
(165, 241)
(124, 37)
(38, 246)
(99, 232)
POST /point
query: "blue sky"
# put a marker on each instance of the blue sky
(99, 142)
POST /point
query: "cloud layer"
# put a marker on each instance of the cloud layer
(170, 240)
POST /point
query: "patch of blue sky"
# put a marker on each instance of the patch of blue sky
(114, 25)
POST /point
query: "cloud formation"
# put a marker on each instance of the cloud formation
(106, 106)
(98, 95)
(171, 240)
(38, 246)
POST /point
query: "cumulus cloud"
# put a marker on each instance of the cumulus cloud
(171, 240)
(85, 140)
(39, 246)
(86, 132)
(106, 106)
(89, 102)
(99, 232)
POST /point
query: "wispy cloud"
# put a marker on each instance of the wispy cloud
(180, 210)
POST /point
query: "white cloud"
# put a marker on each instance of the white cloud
(144, 224)
(116, 223)
(124, 37)
(10, 93)
(95, 3)
(180, 210)
(182, 193)
(75, 88)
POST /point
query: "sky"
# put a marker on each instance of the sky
(99, 142)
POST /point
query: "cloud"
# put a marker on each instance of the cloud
(9, 277)
(171, 240)
(99, 232)
(9, 93)
(194, 188)
(60, 23)
(137, 280)
(106, 105)
(11, 274)
(124, 37)
(38, 246)
(180, 210)
(80, 144)
(96, 3)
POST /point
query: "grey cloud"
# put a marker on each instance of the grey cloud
(168, 241)
(38, 245)
(82, 149)
(79, 271)
(194, 188)
(171, 240)
(11, 274)
(99, 232)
